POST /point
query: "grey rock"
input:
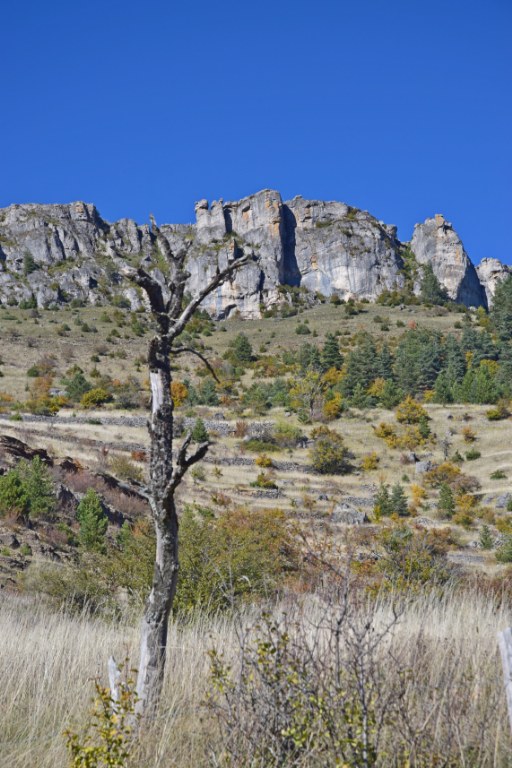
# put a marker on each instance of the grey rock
(9, 540)
(422, 466)
(326, 247)
(503, 500)
(491, 273)
(435, 242)
(348, 515)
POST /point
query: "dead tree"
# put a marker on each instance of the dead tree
(168, 464)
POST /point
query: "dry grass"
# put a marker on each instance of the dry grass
(48, 661)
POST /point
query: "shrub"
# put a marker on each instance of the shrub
(329, 454)
(263, 461)
(240, 554)
(410, 412)
(501, 411)
(108, 738)
(370, 461)
(264, 480)
(498, 474)
(123, 468)
(287, 435)
(411, 560)
(504, 552)
(93, 522)
(468, 434)
(95, 397)
(473, 454)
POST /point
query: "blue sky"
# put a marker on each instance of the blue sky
(403, 107)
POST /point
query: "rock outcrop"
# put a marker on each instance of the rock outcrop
(435, 242)
(50, 254)
(491, 272)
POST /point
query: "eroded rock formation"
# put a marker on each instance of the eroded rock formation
(55, 253)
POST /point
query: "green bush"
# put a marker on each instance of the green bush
(27, 490)
(93, 522)
(329, 455)
(241, 554)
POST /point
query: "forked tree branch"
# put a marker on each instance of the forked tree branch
(219, 278)
(184, 462)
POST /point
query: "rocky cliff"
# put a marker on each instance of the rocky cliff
(435, 242)
(50, 254)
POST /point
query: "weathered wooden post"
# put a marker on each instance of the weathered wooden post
(505, 643)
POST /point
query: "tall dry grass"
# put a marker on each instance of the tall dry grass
(48, 662)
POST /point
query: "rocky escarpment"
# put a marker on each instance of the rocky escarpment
(50, 254)
(491, 272)
(435, 242)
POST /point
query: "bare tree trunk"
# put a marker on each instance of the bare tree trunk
(153, 639)
(159, 603)
(166, 472)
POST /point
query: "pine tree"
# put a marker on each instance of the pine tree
(331, 355)
(199, 432)
(454, 359)
(446, 502)
(398, 501)
(386, 363)
(501, 313)
(241, 349)
(382, 504)
(360, 365)
(431, 290)
(39, 487)
(443, 389)
(93, 522)
(486, 540)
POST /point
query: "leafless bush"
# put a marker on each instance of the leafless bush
(241, 429)
(336, 681)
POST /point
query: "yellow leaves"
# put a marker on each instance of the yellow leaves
(376, 388)
(179, 393)
(370, 461)
(410, 411)
(332, 408)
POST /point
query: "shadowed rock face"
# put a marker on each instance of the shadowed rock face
(435, 242)
(61, 252)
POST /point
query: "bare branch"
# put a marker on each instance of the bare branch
(130, 489)
(150, 285)
(182, 350)
(184, 462)
(219, 278)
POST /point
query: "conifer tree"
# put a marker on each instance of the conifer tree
(199, 432)
(486, 540)
(501, 313)
(382, 505)
(431, 290)
(93, 522)
(398, 501)
(331, 355)
(446, 502)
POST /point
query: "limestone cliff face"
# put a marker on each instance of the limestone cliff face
(435, 242)
(491, 272)
(55, 253)
(337, 249)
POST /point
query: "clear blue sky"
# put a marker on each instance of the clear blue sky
(401, 107)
